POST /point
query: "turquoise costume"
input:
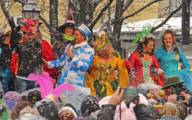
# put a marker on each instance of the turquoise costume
(169, 62)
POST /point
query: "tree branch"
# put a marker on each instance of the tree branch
(100, 14)
(22, 1)
(141, 9)
(127, 4)
(74, 5)
(7, 15)
(44, 21)
(166, 19)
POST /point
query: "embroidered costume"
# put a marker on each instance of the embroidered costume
(106, 74)
(143, 71)
(169, 62)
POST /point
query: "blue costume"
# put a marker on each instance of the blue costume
(169, 62)
(74, 69)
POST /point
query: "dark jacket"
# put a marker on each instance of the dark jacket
(29, 57)
(107, 112)
(5, 56)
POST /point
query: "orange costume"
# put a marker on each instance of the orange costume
(107, 71)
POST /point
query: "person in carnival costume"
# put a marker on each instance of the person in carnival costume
(170, 56)
(144, 64)
(66, 32)
(107, 71)
(30, 50)
(76, 59)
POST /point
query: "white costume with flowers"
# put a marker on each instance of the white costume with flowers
(74, 69)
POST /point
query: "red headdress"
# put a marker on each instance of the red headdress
(29, 25)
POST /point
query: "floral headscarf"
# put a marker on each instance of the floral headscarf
(102, 41)
(29, 25)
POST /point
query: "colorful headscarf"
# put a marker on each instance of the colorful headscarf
(102, 41)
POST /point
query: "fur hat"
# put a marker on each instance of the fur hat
(11, 99)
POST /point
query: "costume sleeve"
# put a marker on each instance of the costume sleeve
(123, 74)
(14, 63)
(128, 65)
(84, 60)
(158, 54)
(132, 59)
(47, 51)
(59, 62)
(107, 112)
(183, 59)
(155, 62)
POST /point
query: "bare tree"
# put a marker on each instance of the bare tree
(7, 14)
(88, 12)
(186, 21)
(166, 19)
(121, 7)
(53, 18)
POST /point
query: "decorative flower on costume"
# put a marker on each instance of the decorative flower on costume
(30, 27)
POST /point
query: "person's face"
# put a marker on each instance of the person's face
(68, 31)
(78, 37)
(66, 115)
(169, 91)
(7, 40)
(149, 47)
(168, 40)
(27, 36)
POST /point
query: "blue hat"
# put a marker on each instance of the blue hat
(84, 30)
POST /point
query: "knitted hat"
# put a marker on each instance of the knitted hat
(34, 96)
(89, 105)
(69, 107)
(45, 108)
(11, 99)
